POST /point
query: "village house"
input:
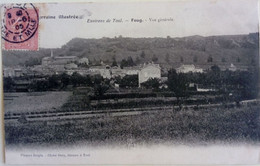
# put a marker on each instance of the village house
(232, 67)
(67, 64)
(9, 72)
(104, 71)
(46, 61)
(117, 72)
(149, 71)
(84, 61)
(144, 72)
(65, 59)
(134, 70)
(82, 72)
(41, 70)
(71, 66)
(189, 68)
(12, 72)
(56, 65)
(58, 60)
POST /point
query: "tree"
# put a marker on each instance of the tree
(142, 54)
(76, 79)
(114, 63)
(177, 83)
(137, 60)
(123, 63)
(54, 81)
(127, 62)
(253, 61)
(167, 58)
(8, 84)
(130, 61)
(32, 61)
(181, 59)
(151, 83)
(238, 59)
(213, 77)
(154, 58)
(248, 84)
(100, 89)
(195, 59)
(215, 68)
(87, 80)
(210, 59)
(97, 79)
(128, 81)
(40, 85)
(86, 101)
(90, 62)
(65, 80)
(94, 61)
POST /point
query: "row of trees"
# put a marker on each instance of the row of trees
(128, 81)
(56, 82)
(127, 62)
(239, 84)
(242, 84)
(142, 57)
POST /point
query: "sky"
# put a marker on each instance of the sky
(185, 18)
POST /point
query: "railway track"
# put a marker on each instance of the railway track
(45, 116)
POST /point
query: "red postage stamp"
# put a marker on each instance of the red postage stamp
(20, 27)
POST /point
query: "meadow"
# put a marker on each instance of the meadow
(184, 126)
(34, 101)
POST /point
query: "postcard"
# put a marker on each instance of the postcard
(147, 82)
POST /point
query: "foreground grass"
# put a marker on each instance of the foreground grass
(184, 126)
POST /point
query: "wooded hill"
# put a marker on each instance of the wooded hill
(241, 50)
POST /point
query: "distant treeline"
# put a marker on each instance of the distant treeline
(239, 84)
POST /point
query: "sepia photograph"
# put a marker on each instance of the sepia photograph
(136, 79)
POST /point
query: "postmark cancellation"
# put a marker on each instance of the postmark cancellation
(20, 27)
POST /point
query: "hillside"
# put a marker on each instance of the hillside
(241, 50)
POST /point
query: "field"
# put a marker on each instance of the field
(188, 125)
(62, 118)
(34, 101)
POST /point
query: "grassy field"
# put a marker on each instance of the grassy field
(34, 101)
(239, 124)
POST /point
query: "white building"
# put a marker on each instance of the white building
(102, 70)
(12, 72)
(46, 61)
(132, 70)
(64, 59)
(83, 61)
(9, 72)
(149, 71)
(144, 72)
(58, 60)
(56, 65)
(117, 71)
(189, 68)
(232, 67)
(71, 66)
